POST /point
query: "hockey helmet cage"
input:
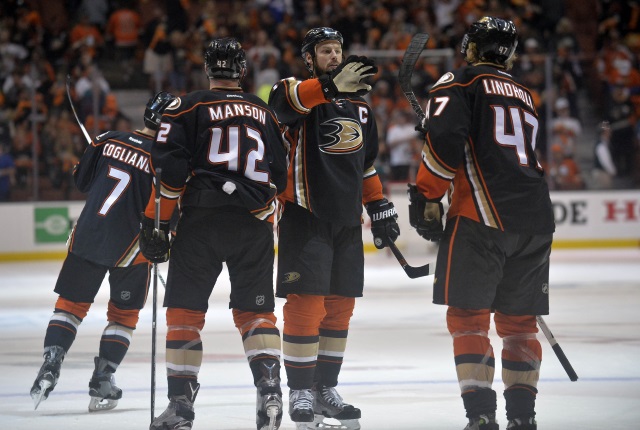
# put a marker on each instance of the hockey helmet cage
(225, 59)
(496, 39)
(315, 36)
(155, 106)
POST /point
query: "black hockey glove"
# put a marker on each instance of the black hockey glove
(347, 77)
(383, 222)
(422, 128)
(154, 245)
(425, 215)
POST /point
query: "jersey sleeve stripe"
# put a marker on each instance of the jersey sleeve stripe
(435, 164)
(483, 202)
(291, 91)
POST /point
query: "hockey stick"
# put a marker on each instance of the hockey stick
(556, 348)
(155, 296)
(418, 41)
(411, 271)
(82, 128)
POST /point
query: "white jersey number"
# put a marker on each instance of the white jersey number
(232, 156)
(123, 179)
(517, 139)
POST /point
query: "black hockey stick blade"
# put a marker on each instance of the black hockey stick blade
(411, 271)
(557, 349)
(73, 108)
(411, 55)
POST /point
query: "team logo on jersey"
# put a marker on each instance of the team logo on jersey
(125, 295)
(290, 277)
(174, 104)
(344, 136)
(447, 77)
(259, 300)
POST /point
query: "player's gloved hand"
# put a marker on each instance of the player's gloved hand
(154, 244)
(347, 77)
(422, 128)
(425, 215)
(384, 226)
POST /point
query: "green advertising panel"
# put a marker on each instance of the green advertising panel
(52, 225)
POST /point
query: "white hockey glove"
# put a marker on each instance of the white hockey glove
(347, 77)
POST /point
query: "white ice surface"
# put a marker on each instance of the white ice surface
(398, 369)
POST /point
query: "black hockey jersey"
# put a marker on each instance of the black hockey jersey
(333, 148)
(217, 147)
(115, 172)
(482, 132)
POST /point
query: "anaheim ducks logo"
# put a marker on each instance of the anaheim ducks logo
(290, 277)
(174, 104)
(344, 136)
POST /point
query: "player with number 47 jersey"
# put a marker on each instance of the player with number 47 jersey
(481, 131)
(482, 128)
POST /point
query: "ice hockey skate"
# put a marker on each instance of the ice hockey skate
(331, 412)
(180, 413)
(102, 387)
(522, 424)
(269, 396)
(483, 422)
(301, 409)
(48, 375)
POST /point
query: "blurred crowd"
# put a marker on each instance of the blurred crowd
(580, 58)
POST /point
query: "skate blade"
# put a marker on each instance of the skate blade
(272, 413)
(98, 405)
(39, 396)
(322, 422)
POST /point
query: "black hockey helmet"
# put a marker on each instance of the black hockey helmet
(225, 59)
(155, 106)
(315, 36)
(495, 38)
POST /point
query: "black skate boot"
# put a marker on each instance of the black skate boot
(48, 375)
(483, 422)
(269, 396)
(329, 404)
(522, 424)
(301, 408)
(102, 387)
(179, 414)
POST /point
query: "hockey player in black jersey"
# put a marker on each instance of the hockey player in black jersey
(228, 145)
(333, 135)
(115, 173)
(480, 135)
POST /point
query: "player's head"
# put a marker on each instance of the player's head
(225, 59)
(155, 106)
(315, 37)
(491, 40)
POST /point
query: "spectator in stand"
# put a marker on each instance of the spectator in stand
(86, 39)
(124, 28)
(97, 12)
(158, 62)
(604, 169)
(402, 144)
(10, 53)
(565, 129)
(7, 173)
(91, 91)
(622, 117)
(564, 172)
